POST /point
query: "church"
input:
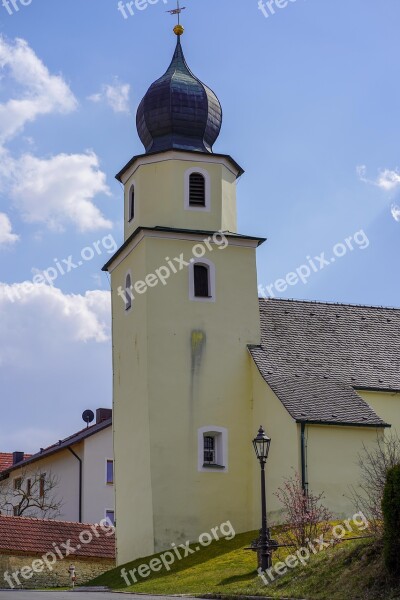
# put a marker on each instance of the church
(199, 361)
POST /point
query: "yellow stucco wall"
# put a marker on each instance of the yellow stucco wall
(386, 405)
(284, 456)
(332, 462)
(180, 365)
(160, 192)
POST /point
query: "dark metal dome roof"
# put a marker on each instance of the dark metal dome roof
(179, 111)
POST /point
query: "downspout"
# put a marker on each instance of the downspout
(304, 482)
(80, 482)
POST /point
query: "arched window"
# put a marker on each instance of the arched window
(201, 279)
(197, 190)
(131, 207)
(128, 292)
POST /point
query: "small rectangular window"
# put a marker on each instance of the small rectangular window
(42, 485)
(17, 483)
(110, 472)
(28, 487)
(209, 450)
(110, 517)
(16, 511)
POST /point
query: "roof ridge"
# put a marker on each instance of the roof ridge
(330, 303)
(57, 522)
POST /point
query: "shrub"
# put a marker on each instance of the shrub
(307, 517)
(391, 521)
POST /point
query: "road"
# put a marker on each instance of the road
(16, 595)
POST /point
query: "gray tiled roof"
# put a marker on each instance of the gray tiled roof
(315, 355)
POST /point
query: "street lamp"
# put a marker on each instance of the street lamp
(261, 446)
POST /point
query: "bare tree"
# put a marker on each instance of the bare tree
(374, 464)
(306, 515)
(30, 494)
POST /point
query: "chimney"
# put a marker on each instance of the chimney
(17, 457)
(103, 414)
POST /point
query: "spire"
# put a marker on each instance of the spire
(178, 110)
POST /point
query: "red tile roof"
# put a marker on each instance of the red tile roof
(6, 460)
(37, 537)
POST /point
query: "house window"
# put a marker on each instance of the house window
(110, 472)
(17, 483)
(42, 485)
(197, 190)
(110, 517)
(213, 449)
(16, 511)
(201, 281)
(131, 207)
(28, 487)
(128, 292)
(209, 450)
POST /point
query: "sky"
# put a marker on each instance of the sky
(310, 94)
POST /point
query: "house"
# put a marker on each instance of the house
(199, 362)
(37, 553)
(72, 480)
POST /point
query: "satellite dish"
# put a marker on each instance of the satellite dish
(88, 416)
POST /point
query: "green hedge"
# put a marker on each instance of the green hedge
(391, 518)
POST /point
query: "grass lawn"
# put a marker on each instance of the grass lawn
(351, 570)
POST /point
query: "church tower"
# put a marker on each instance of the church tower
(184, 308)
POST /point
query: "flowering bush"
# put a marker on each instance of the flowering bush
(307, 517)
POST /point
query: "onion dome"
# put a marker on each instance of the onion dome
(178, 110)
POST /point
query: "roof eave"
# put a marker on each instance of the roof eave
(342, 423)
(53, 450)
(228, 235)
(129, 164)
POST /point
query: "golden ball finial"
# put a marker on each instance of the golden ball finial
(179, 30)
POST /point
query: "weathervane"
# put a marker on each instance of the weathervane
(177, 11)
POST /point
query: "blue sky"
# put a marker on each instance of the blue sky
(310, 97)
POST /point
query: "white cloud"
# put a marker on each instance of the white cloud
(42, 94)
(7, 237)
(387, 180)
(50, 316)
(395, 212)
(55, 191)
(55, 361)
(60, 190)
(116, 96)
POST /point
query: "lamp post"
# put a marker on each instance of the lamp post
(261, 446)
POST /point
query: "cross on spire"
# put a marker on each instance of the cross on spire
(177, 11)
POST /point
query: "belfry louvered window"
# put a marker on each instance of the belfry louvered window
(197, 190)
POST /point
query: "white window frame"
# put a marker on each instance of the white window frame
(221, 448)
(211, 280)
(207, 178)
(113, 463)
(132, 184)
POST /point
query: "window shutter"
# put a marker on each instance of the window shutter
(197, 190)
